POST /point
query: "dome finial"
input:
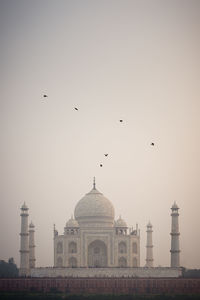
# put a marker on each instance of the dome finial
(94, 184)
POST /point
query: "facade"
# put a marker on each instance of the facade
(94, 239)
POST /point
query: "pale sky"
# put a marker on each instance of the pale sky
(135, 60)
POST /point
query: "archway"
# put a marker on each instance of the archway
(60, 247)
(122, 247)
(134, 248)
(72, 247)
(135, 263)
(72, 262)
(59, 262)
(122, 262)
(97, 254)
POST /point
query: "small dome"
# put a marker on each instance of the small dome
(72, 223)
(24, 207)
(94, 210)
(120, 223)
(149, 224)
(31, 225)
(175, 206)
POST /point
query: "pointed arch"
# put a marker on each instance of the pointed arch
(97, 254)
(59, 262)
(135, 262)
(135, 248)
(72, 262)
(122, 248)
(122, 262)
(72, 247)
(59, 248)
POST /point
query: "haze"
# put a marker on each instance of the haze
(113, 59)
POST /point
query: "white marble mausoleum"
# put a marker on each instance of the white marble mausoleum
(94, 244)
(93, 238)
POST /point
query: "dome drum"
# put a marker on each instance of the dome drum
(95, 221)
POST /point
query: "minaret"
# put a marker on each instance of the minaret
(149, 246)
(31, 246)
(24, 249)
(175, 252)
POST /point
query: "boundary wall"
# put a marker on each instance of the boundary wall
(103, 285)
(106, 272)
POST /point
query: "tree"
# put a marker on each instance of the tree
(8, 269)
(191, 273)
(11, 260)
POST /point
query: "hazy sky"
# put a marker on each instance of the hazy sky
(136, 60)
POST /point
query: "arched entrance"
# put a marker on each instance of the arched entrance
(122, 262)
(97, 254)
(72, 262)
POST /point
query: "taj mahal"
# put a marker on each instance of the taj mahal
(95, 244)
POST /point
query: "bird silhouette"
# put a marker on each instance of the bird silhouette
(101, 165)
(106, 154)
(152, 144)
(45, 96)
(75, 108)
(121, 121)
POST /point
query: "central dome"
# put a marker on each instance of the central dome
(94, 210)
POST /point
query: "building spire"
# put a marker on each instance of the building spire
(24, 249)
(175, 250)
(94, 184)
(31, 246)
(149, 246)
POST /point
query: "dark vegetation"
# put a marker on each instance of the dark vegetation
(51, 296)
(191, 273)
(8, 269)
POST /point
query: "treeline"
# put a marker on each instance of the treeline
(191, 273)
(8, 269)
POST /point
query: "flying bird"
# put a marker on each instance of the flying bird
(152, 144)
(45, 96)
(101, 165)
(121, 121)
(106, 154)
(75, 108)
